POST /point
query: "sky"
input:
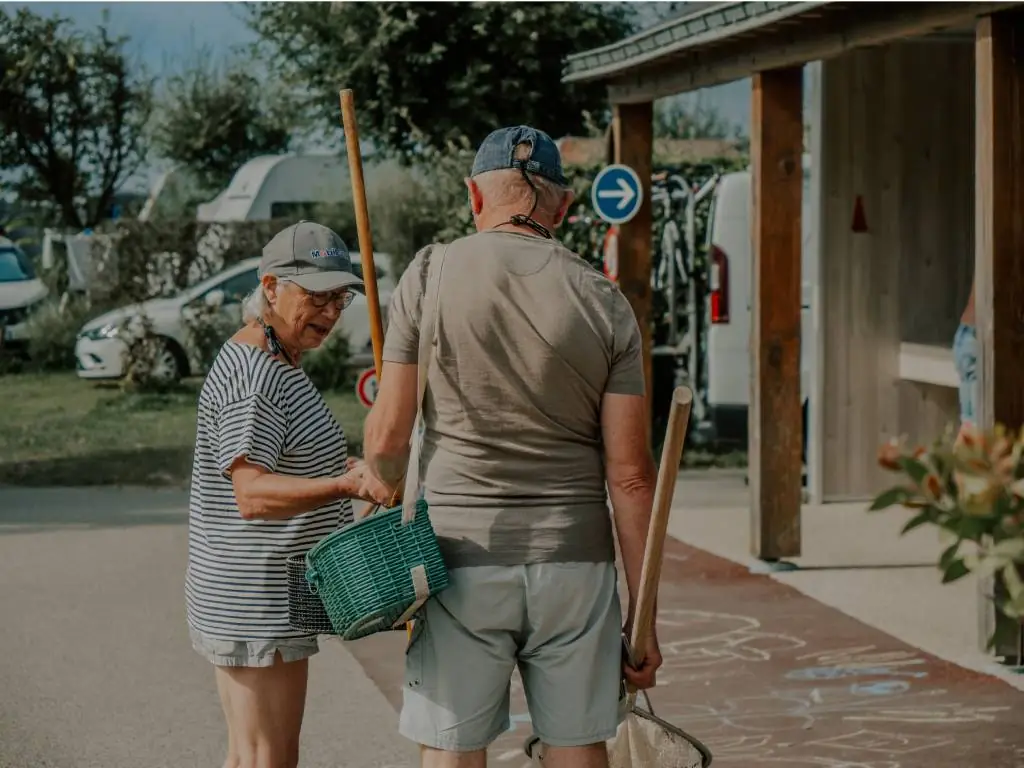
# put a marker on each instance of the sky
(163, 34)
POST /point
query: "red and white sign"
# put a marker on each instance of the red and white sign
(611, 253)
(366, 387)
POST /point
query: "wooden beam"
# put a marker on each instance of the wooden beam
(999, 230)
(633, 135)
(836, 31)
(999, 257)
(775, 415)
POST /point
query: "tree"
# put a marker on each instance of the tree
(213, 118)
(432, 73)
(674, 119)
(73, 112)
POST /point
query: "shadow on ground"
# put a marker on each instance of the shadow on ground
(154, 467)
(32, 510)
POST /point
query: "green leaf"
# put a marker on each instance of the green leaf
(948, 555)
(955, 570)
(914, 468)
(926, 515)
(890, 498)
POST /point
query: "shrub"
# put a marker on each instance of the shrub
(52, 330)
(328, 366)
(207, 328)
(970, 485)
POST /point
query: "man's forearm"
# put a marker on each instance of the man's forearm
(631, 508)
(389, 467)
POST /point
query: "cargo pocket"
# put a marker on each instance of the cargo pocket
(414, 652)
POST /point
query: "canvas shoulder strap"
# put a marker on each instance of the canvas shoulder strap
(429, 305)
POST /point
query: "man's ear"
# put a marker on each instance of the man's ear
(476, 199)
(563, 208)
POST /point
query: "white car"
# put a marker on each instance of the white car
(20, 292)
(100, 349)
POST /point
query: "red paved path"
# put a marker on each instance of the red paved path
(767, 676)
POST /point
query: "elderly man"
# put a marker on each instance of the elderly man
(535, 414)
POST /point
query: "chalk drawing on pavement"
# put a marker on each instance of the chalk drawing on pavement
(888, 743)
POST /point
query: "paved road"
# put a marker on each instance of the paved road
(95, 668)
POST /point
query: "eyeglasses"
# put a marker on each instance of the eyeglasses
(341, 298)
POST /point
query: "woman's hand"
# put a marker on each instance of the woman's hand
(361, 483)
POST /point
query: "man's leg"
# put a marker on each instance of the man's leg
(571, 662)
(459, 666)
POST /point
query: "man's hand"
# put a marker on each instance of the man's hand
(645, 676)
(363, 484)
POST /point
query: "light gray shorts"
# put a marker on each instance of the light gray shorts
(251, 653)
(559, 622)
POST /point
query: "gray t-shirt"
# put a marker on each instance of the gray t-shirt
(530, 337)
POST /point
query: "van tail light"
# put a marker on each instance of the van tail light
(719, 286)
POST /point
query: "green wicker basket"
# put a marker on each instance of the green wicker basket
(371, 573)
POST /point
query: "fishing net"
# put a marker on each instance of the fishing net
(644, 740)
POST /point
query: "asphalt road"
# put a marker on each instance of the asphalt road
(96, 670)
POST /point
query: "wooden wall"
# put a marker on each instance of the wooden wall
(897, 127)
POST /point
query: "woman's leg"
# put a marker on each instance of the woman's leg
(263, 707)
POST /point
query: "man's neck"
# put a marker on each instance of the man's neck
(500, 221)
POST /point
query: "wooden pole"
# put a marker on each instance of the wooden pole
(776, 419)
(355, 167)
(999, 266)
(650, 575)
(633, 135)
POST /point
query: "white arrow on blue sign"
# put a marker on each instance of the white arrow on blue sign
(617, 194)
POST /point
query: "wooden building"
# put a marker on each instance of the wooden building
(922, 138)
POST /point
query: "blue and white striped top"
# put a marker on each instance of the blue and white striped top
(253, 405)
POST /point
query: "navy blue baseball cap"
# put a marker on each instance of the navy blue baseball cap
(498, 153)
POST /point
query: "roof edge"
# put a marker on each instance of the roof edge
(701, 27)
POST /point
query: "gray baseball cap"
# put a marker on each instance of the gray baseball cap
(312, 256)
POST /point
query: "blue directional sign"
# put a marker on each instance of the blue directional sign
(617, 194)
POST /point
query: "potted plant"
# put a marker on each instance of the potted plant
(970, 485)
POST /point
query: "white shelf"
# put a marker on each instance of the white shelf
(928, 364)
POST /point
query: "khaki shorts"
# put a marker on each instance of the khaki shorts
(251, 653)
(560, 622)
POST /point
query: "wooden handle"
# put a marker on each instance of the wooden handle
(355, 167)
(671, 456)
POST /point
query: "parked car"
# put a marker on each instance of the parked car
(20, 293)
(100, 349)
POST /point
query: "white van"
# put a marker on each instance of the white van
(730, 262)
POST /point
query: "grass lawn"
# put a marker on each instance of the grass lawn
(57, 429)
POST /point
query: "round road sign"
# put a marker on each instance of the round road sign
(366, 387)
(617, 194)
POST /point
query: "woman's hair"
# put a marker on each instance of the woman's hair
(255, 305)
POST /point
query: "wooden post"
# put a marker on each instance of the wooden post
(999, 244)
(775, 415)
(633, 134)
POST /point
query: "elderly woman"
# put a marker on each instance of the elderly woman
(270, 479)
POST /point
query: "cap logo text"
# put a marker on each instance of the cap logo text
(327, 253)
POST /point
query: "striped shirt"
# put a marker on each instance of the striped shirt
(252, 405)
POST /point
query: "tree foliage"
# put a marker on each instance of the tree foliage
(433, 73)
(73, 113)
(215, 117)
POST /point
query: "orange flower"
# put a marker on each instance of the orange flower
(889, 454)
(932, 487)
